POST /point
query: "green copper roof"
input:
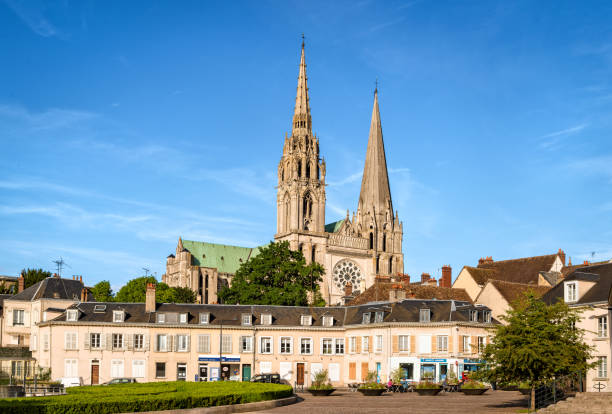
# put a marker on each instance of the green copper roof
(226, 259)
(334, 227)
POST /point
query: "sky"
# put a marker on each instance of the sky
(124, 125)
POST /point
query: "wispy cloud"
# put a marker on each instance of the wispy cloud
(386, 24)
(31, 12)
(601, 166)
(553, 139)
(53, 118)
(346, 180)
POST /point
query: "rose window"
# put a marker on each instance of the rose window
(347, 271)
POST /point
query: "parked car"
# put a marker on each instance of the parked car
(71, 381)
(120, 381)
(272, 378)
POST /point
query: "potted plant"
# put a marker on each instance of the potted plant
(428, 387)
(321, 386)
(471, 387)
(371, 387)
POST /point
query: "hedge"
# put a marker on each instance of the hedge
(123, 398)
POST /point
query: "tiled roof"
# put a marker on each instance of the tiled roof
(601, 274)
(566, 270)
(226, 259)
(512, 291)
(52, 288)
(481, 275)
(379, 291)
(523, 270)
(334, 227)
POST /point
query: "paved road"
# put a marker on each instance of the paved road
(448, 403)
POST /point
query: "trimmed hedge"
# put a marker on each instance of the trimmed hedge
(123, 398)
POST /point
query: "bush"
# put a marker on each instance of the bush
(123, 398)
(371, 383)
(473, 385)
(321, 381)
(427, 385)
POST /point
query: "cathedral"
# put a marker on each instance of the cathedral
(353, 250)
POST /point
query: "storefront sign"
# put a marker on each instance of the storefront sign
(472, 361)
(433, 359)
(211, 358)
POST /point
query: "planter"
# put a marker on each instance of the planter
(525, 391)
(474, 391)
(428, 391)
(371, 392)
(321, 393)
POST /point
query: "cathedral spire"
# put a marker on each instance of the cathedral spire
(375, 192)
(301, 115)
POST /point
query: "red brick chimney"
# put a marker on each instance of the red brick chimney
(83, 295)
(425, 278)
(561, 255)
(20, 283)
(348, 289)
(150, 298)
(396, 293)
(405, 278)
(445, 280)
(485, 260)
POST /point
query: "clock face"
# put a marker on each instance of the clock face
(347, 271)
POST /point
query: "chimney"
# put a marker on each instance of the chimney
(83, 295)
(396, 293)
(445, 280)
(561, 255)
(348, 289)
(425, 278)
(150, 298)
(405, 278)
(55, 275)
(586, 263)
(21, 283)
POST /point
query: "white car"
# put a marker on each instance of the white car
(71, 381)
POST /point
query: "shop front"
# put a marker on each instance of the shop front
(434, 369)
(226, 368)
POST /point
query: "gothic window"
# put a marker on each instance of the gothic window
(377, 264)
(371, 240)
(307, 170)
(299, 169)
(346, 271)
(312, 254)
(390, 264)
(307, 210)
(287, 213)
(318, 172)
(384, 246)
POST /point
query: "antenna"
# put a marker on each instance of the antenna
(60, 265)
(146, 271)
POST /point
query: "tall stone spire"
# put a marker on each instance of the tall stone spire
(302, 123)
(375, 192)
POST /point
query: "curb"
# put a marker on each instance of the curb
(234, 408)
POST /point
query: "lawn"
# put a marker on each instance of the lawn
(122, 398)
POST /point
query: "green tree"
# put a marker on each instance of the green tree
(6, 289)
(276, 276)
(33, 276)
(538, 343)
(134, 291)
(102, 292)
(183, 295)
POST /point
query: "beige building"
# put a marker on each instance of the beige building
(499, 295)
(155, 342)
(352, 250)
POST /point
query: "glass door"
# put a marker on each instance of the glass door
(181, 372)
(203, 372)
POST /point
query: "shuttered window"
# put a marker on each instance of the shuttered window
(204, 343)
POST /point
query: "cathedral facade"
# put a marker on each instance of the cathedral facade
(353, 250)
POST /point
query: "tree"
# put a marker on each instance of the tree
(183, 295)
(5, 288)
(102, 292)
(33, 276)
(276, 276)
(134, 291)
(539, 342)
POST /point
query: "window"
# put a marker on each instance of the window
(306, 320)
(161, 318)
(353, 344)
(442, 343)
(18, 317)
(365, 344)
(266, 319)
(602, 367)
(466, 343)
(138, 368)
(204, 344)
(46, 342)
(71, 368)
(265, 345)
(162, 343)
(117, 368)
(246, 343)
(571, 291)
(404, 343)
(473, 316)
(481, 343)
(118, 316)
(365, 318)
(70, 340)
(424, 315)
(306, 346)
(117, 341)
(34, 342)
(339, 346)
(602, 327)
(379, 316)
(139, 342)
(246, 319)
(94, 341)
(99, 308)
(204, 318)
(285, 345)
(226, 344)
(71, 315)
(328, 321)
(182, 343)
(487, 316)
(378, 343)
(327, 346)
(183, 317)
(160, 370)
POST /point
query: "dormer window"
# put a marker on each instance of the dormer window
(118, 316)
(204, 318)
(72, 315)
(365, 318)
(266, 319)
(328, 321)
(379, 316)
(183, 318)
(487, 316)
(306, 320)
(161, 318)
(424, 315)
(571, 291)
(247, 319)
(473, 316)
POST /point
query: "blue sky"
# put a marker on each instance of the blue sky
(126, 124)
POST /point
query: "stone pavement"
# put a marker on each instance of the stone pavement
(341, 402)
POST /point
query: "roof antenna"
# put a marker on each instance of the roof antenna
(60, 265)
(146, 271)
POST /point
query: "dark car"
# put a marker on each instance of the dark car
(120, 381)
(271, 378)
